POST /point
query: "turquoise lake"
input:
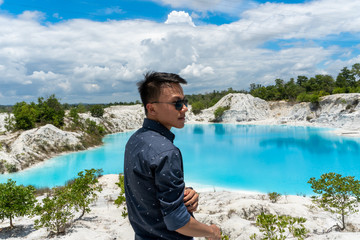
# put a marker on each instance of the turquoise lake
(242, 157)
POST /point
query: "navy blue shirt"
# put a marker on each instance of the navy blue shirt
(154, 184)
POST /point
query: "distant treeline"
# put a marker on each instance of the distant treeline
(84, 107)
(303, 89)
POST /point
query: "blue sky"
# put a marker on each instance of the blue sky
(95, 51)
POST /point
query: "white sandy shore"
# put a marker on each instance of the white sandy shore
(233, 211)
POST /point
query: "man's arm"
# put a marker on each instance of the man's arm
(197, 229)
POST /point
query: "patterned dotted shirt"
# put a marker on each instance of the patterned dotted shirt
(154, 184)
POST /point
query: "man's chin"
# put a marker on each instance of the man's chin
(181, 125)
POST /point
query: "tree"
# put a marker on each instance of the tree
(55, 211)
(301, 80)
(50, 111)
(346, 78)
(339, 195)
(279, 84)
(355, 69)
(292, 90)
(83, 190)
(97, 110)
(59, 206)
(15, 201)
(25, 115)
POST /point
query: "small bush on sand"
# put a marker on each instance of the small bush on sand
(339, 195)
(276, 227)
(121, 200)
(274, 196)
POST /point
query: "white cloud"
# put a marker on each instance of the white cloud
(224, 6)
(32, 15)
(311, 20)
(91, 87)
(196, 70)
(87, 61)
(176, 17)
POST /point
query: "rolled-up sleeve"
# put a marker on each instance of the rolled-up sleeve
(170, 185)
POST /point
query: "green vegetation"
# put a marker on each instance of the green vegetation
(121, 200)
(83, 190)
(200, 102)
(55, 211)
(338, 195)
(276, 227)
(58, 207)
(303, 89)
(274, 196)
(220, 111)
(50, 111)
(306, 89)
(11, 168)
(28, 116)
(97, 110)
(225, 237)
(15, 201)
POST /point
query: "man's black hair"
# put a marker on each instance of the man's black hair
(150, 87)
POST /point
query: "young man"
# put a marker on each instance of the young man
(158, 204)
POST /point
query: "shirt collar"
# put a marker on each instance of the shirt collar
(158, 127)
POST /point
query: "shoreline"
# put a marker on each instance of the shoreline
(234, 212)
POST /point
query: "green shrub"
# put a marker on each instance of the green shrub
(55, 211)
(74, 115)
(10, 123)
(59, 206)
(220, 111)
(25, 115)
(93, 129)
(2, 166)
(196, 107)
(83, 190)
(50, 111)
(11, 168)
(97, 110)
(15, 201)
(338, 195)
(274, 196)
(121, 200)
(276, 227)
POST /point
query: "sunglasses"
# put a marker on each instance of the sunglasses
(179, 104)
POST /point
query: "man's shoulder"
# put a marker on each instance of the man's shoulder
(152, 140)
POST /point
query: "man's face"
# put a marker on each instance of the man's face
(166, 113)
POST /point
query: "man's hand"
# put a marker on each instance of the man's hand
(216, 233)
(191, 199)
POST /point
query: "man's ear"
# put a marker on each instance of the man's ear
(150, 109)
